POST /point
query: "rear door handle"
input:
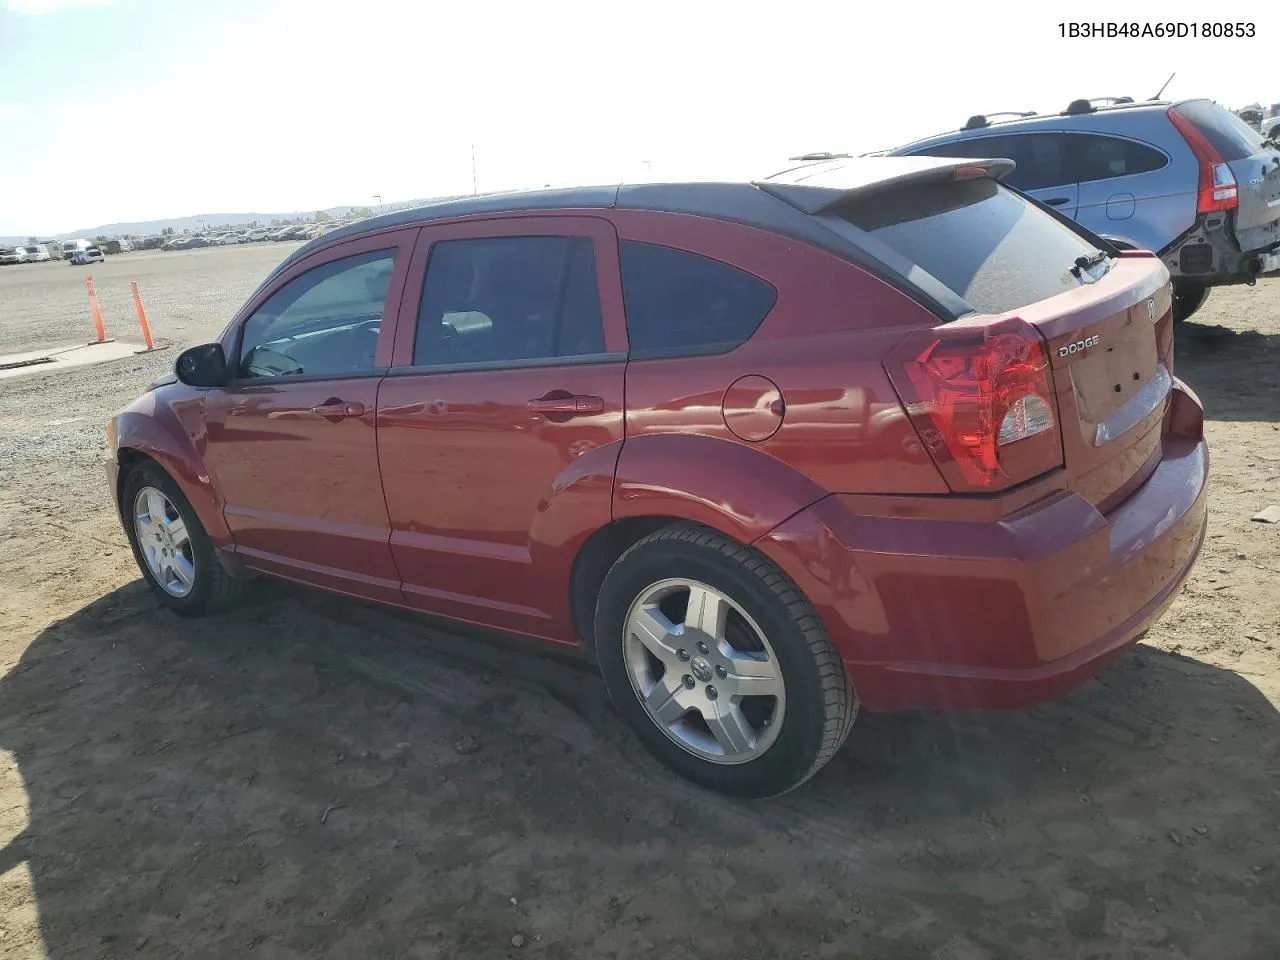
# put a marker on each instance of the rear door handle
(566, 405)
(333, 409)
(1057, 201)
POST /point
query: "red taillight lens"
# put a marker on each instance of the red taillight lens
(1217, 189)
(982, 400)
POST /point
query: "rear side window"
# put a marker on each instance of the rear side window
(503, 299)
(1039, 157)
(1231, 137)
(988, 245)
(683, 303)
(1093, 157)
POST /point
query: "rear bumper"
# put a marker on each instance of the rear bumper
(957, 614)
(1210, 254)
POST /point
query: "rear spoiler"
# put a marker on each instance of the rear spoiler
(816, 187)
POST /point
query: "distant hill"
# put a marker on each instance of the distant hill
(210, 221)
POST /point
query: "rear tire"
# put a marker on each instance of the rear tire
(1187, 300)
(720, 665)
(171, 547)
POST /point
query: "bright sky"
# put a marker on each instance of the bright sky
(116, 110)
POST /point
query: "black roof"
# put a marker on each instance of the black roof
(805, 188)
(795, 202)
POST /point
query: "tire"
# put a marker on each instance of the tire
(769, 639)
(211, 587)
(1187, 300)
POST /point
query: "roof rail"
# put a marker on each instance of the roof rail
(980, 120)
(821, 155)
(1087, 106)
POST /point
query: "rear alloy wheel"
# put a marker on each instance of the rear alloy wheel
(173, 551)
(719, 663)
(710, 682)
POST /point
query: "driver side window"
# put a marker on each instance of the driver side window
(324, 322)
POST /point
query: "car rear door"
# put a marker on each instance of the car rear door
(501, 420)
(291, 438)
(1041, 164)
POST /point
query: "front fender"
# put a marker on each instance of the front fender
(730, 486)
(171, 430)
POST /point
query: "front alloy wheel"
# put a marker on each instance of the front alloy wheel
(164, 542)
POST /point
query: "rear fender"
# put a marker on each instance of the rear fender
(174, 435)
(729, 486)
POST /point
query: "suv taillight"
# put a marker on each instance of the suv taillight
(982, 400)
(1217, 189)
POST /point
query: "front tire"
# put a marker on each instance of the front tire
(171, 547)
(720, 665)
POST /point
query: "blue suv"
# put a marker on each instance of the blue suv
(1187, 179)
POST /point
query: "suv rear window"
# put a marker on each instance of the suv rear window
(990, 246)
(1230, 136)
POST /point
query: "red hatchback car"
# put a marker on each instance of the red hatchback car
(878, 431)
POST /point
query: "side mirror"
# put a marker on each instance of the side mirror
(202, 366)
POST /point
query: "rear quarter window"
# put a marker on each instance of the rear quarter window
(1095, 157)
(988, 245)
(683, 303)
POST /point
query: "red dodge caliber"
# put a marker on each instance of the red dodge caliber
(878, 432)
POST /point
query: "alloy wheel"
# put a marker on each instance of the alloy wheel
(704, 671)
(164, 541)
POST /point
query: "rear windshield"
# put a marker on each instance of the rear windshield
(988, 245)
(1230, 136)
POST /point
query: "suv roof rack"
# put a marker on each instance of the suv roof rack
(1087, 106)
(980, 120)
(821, 155)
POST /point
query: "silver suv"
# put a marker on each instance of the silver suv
(1187, 179)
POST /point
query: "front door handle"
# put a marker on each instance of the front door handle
(566, 405)
(333, 409)
(1057, 201)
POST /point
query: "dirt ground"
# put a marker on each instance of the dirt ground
(312, 777)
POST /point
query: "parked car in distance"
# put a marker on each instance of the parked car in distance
(876, 425)
(88, 255)
(1187, 179)
(253, 236)
(28, 253)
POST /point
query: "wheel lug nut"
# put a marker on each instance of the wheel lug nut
(721, 672)
(702, 647)
(712, 693)
(687, 681)
(682, 653)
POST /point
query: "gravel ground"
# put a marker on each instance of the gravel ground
(309, 776)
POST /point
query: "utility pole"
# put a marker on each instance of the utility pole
(473, 170)
(378, 197)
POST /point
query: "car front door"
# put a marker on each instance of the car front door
(501, 420)
(292, 439)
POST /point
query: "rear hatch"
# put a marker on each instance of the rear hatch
(1254, 164)
(1058, 354)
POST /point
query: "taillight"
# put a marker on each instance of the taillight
(982, 400)
(1217, 189)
